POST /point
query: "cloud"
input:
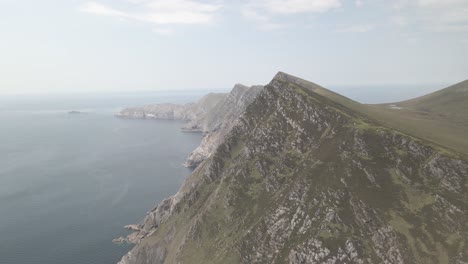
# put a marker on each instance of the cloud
(159, 12)
(264, 12)
(359, 3)
(288, 7)
(440, 3)
(263, 21)
(356, 28)
(436, 15)
(99, 9)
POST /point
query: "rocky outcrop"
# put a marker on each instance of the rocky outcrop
(301, 178)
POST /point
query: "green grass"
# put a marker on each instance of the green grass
(432, 127)
(413, 198)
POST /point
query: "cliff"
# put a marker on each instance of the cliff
(185, 112)
(302, 177)
(218, 122)
(214, 115)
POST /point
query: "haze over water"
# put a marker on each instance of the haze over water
(70, 182)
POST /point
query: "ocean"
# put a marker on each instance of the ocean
(70, 182)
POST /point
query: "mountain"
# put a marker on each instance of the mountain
(185, 112)
(309, 176)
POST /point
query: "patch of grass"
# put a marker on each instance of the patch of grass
(325, 234)
(442, 255)
(403, 227)
(415, 199)
(453, 239)
(400, 152)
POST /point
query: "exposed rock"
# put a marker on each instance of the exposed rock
(119, 240)
(133, 227)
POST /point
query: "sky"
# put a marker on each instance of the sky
(71, 46)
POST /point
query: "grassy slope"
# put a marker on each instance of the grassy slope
(452, 100)
(440, 117)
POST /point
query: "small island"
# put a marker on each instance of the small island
(74, 112)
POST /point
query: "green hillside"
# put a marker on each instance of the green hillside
(452, 100)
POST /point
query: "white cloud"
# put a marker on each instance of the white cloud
(264, 21)
(99, 9)
(159, 12)
(286, 7)
(440, 3)
(436, 15)
(356, 28)
(359, 2)
(264, 12)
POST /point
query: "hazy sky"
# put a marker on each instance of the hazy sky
(133, 45)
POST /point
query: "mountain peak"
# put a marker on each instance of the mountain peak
(240, 85)
(239, 89)
(282, 76)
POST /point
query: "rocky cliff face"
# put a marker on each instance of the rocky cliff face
(185, 112)
(219, 121)
(301, 178)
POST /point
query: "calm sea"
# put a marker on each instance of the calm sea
(69, 183)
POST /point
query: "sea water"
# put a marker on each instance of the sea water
(70, 182)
